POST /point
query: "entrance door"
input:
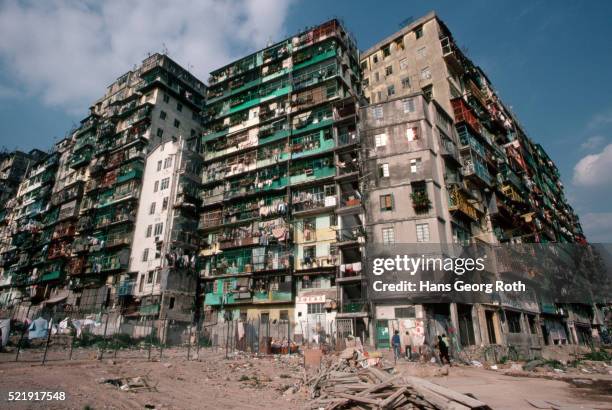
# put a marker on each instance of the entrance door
(490, 327)
(382, 334)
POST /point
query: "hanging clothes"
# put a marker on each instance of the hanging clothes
(38, 329)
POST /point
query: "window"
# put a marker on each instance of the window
(383, 171)
(168, 162)
(165, 204)
(160, 132)
(405, 312)
(282, 315)
(366, 82)
(388, 236)
(375, 59)
(150, 276)
(162, 115)
(165, 183)
(387, 51)
(418, 32)
(422, 232)
(388, 70)
(177, 123)
(149, 231)
(390, 90)
(409, 105)
(152, 208)
(171, 303)
(406, 82)
(412, 134)
(386, 202)
(159, 228)
(145, 255)
(416, 165)
(514, 321)
(377, 112)
(166, 98)
(364, 65)
(179, 107)
(379, 96)
(426, 74)
(380, 140)
(428, 92)
(159, 165)
(422, 52)
(314, 283)
(156, 186)
(376, 77)
(316, 308)
(403, 63)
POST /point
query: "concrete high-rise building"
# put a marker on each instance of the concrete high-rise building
(79, 207)
(283, 216)
(450, 163)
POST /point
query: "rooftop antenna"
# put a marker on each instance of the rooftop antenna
(165, 49)
(406, 21)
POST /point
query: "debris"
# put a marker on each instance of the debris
(345, 383)
(130, 383)
(476, 363)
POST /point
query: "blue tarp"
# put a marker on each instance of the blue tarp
(38, 329)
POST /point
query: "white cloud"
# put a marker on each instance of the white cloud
(595, 169)
(597, 226)
(600, 119)
(593, 143)
(68, 51)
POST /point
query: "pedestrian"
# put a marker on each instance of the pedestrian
(396, 343)
(443, 348)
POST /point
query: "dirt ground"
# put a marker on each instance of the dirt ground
(213, 382)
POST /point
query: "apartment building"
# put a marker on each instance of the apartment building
(25, 275)
(452, 164)
(164, 253)
(77, 211)
(282, 212)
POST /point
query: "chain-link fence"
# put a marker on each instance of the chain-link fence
(46, 334)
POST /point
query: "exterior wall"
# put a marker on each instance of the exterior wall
(153, 175)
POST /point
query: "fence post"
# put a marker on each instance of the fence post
(150, 339)
(49, 328)
(288, 338)
(71, 347)
(23, 333)
(161, 345)
(226, 338)
(198, 339)
(104, 338)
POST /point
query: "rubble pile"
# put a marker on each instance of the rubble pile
(353, 381)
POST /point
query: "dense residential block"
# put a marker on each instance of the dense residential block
(253, 198)
(282, 211)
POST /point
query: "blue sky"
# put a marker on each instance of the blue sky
(549, 60)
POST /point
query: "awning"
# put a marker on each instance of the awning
(55, 299)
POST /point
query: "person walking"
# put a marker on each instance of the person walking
(396, 343)
(443, 348)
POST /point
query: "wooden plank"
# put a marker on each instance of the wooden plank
(360, 399)
(394, 396)
(448, 393)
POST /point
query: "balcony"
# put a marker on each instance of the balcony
(80, 159)
(213, 299)
(272, 296)
(76, 266)
(477, 171)
(304, 202)
(64, 230)
(348, 138)
(463, 114)
(59, 250)
(311, 171)
(452, 55)
(449, 150)
(317, 262)
(459, 202)
(211, 220)
(119, 195)
(314, 75)
(350, 202)
(129, 173)
(125, 288)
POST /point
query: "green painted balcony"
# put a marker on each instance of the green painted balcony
(212, 299)
(149, 310)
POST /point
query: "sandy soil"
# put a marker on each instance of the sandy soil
(214, 382)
